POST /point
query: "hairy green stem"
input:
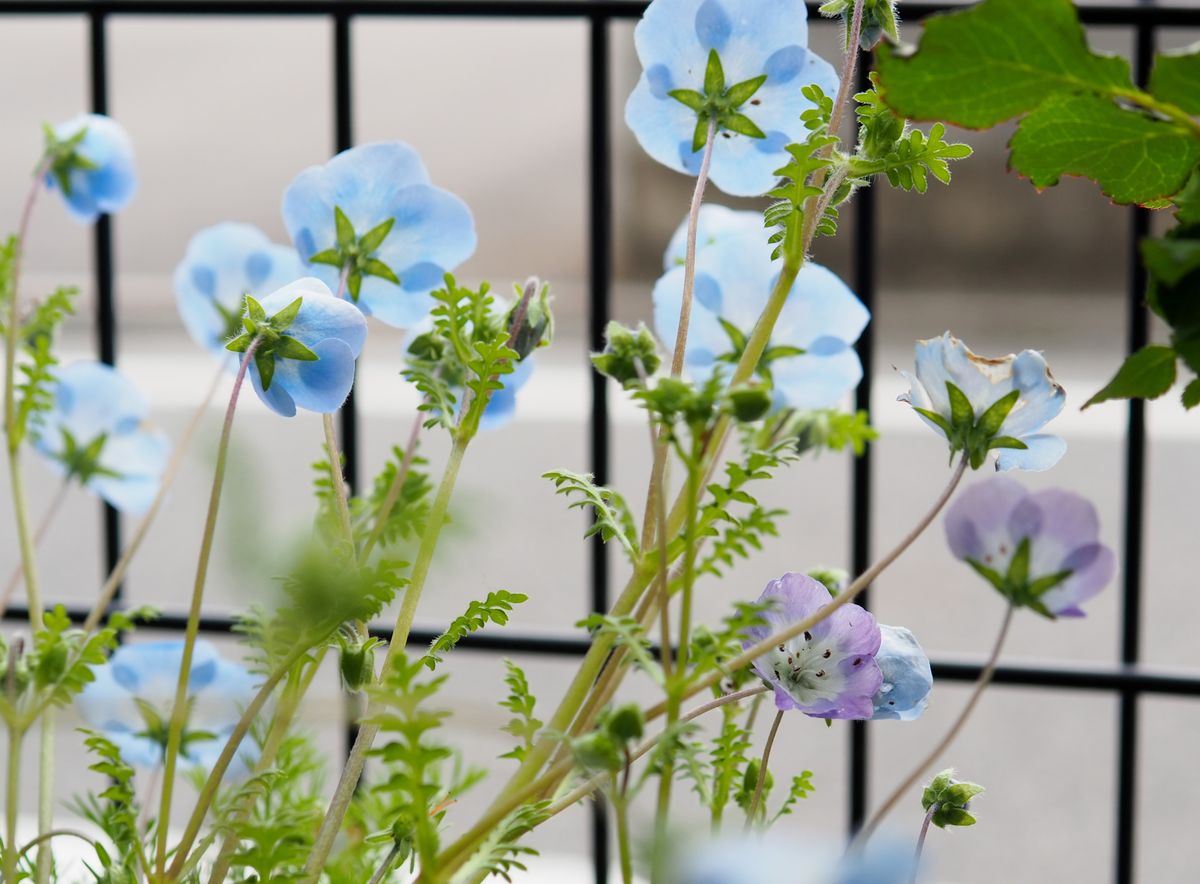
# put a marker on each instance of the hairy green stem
(985, 678)
(620, 805)
(933, 808)
(395, 489)
(386, 866)
(179, 709)
(404, 620)
(109, 591)
(752, 813)
(39, 535)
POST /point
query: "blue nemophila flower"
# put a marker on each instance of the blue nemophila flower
(372, 214)
(96, 433)
(222, 265)
(308, 342)
(754, 859)
(91, 165)
(744, 62)
(810, 358)
(131, 698)
(828, 672)
(981, 404)
(1039, 549)
(907, 678)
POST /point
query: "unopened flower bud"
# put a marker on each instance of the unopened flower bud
(626, 723)
(630, 355)
(749, 402)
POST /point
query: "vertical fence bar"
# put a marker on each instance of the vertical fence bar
(1135, 498)
(105, 309)
(864, 282)
(599, 290)
(343, 139)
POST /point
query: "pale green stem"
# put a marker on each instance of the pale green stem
(397, 486)
(985, 678)
(109, 591)
(620, 805)
(386, 866)
(45, 854)
(12, 794)
(752, 813)
(179, 710)
(352, 771)
(39, 535)
(338, 480)
(228, 753)
(54, 833)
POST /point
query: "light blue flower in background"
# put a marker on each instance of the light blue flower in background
(714, 223)
(131, 699)
(334, 330)
(985, 381)
(432, 230)
(754, 859)
(96, 433)
(907, 678)
(752, 38)
(222, 265)
(95, 174)
(734, 279)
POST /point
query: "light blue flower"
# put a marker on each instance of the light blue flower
(752, 38)
(222, 265)
(907, 678)
(431, 230)
(131, 699)
(755, 859)
(332, 330)
(734, 278)
(984, 382)
(96, 433)
(91, 166)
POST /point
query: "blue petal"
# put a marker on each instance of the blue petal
(712, 224)
(820, 306)
(713, 25)
(1043, 452)
(321, 317)
(907, 678)
(811, 381)
(320, 386)
(277, 398)
(659, 124)
(91, 399)
(140, 457)
(112, 184)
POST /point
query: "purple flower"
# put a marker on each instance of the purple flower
(827, 672)
(1040, 549)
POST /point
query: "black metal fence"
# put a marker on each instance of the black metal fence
(1128, 680)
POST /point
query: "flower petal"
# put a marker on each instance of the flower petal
(1043, 452)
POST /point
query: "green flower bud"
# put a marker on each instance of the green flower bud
(537, 324)
(51, 664)
(626, 723)
(750, 783)
(834, 579)
(356, 662)
(950, 799)
(749, 402)
(629, 355)
(597, 751)
(404, 836)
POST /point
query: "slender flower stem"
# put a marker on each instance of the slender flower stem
(849, 67)
(620, 805)
(933, 808)
(113, 582)
(12, 794)
(658, 469)
(404, 620)
(39, 535)
(54, 833)
(386, 866)
(397, 486)
(337, 479)
(985, 678)
(752, 813)
(179, 710)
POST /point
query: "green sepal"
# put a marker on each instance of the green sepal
(742, 125)
(991, 575)
(714, 75)
(330, 256)
(992, 419)
(354, 284)
(700, 134)
(345, 230)
(942, 423)
(736, 336)
(373, 238)
(961, 412)
(287, 315)
(742, 92)
(1044, 584)
(255, 310)
(290, 348)
(240, 344)
(1018, 567)
(1007, 442)
(689, 98)
(375, 267)
(266, 368)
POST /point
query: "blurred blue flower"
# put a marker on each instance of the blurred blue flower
(96, 433)
(752, 39)
(91, 165)
(810, 358)
(395, 226)
(1066, 564)
(131, 699)
(907, 678)
(222, 265)
(753, 859)
(984, 381)
(331, 329)
(827, 672)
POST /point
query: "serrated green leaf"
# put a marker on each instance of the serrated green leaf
(1176, 78)
(994, 61)
(1133, 157)
(1147, 374)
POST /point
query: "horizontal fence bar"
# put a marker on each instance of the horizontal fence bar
(1097, 14)
(1103, 677)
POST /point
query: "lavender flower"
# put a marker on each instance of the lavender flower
(131, 699)
(1040, 549)
(983, 404)
(827, 672)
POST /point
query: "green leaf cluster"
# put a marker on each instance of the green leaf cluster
(720, 102)
(266, 334)
(951, 800)
(494, 609)
(502, 852)
(1082, 113)
(114, 811)
(611, 517)
(630, 356)
(62, 156)
(976, 437)
(524, 725)
(786, 216)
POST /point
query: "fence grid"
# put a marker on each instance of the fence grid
(1128, 680)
